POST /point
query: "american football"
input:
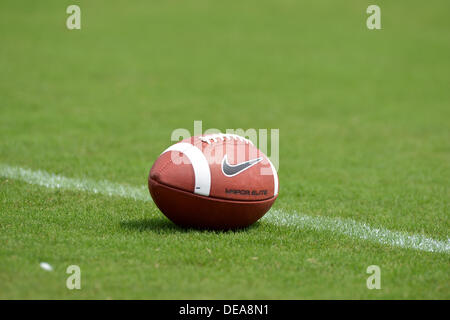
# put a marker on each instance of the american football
(219, 181)
(248, 151)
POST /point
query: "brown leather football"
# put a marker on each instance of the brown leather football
(218, 181)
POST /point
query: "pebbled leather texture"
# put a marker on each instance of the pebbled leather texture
(187, 209)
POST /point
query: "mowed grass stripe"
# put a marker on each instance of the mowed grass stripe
(347, 227)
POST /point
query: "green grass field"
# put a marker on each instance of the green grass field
(364, 135)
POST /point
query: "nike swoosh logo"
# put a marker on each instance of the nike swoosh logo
(230, 170)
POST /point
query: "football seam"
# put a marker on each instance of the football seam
(226, 142)
(213, 198)
(222, 143)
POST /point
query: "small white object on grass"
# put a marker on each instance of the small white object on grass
(46, 266)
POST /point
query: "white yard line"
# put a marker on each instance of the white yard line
(347, 227)
(358, 230)
(53, 181)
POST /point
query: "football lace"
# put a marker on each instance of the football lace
(222, 136)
